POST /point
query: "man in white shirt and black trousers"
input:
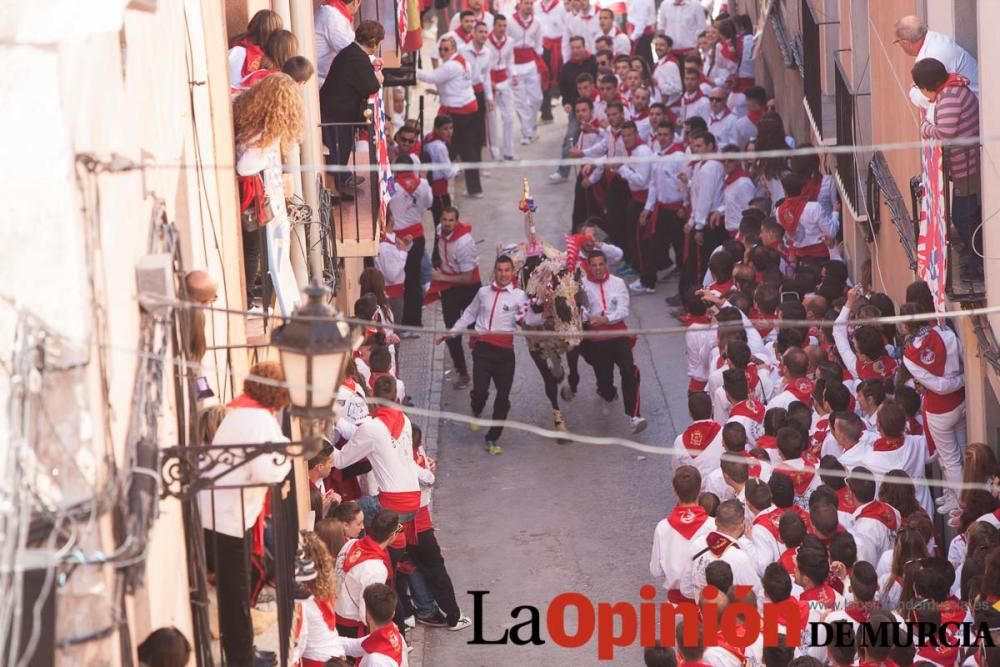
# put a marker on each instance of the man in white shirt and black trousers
(454, 79)
(495, 312)
(606, 307)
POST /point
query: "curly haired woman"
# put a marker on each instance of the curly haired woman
(268, 122)
(319, 642)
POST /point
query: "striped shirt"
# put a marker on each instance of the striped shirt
(956, 115)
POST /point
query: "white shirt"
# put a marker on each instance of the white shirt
(551, 15)
(353, 409)
(408, 209)
(528, 36)
(501, 58)
(495, 309)
(723, 127)
(744, 572)
(458, 255)
(814, 223)
(620, 43)
(334, 32)
(706, 191)
(681, 23)
(665, 186)
(667, 543)
(955, 59)
(391, 261)
(636, 173)
(736, 198)
(578, 25)
(667, 79)
(911, 458)
(437, 151)
(322, 641)
(391, 458)
(479, 61)
(354, 649)
(873, 536)
(608, 299)
(744, 131)
(221, 509)
(453, 79)
(351, 600)
(694, 104)
(699, 340)
(642, 15)
(237, 56)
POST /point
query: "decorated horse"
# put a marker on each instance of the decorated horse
(554, 292)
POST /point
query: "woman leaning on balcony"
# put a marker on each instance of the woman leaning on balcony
(268, 121)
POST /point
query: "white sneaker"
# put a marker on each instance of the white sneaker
(476, 195)
(556, 177)
(525, 141)
(636, 287)
(462, 624)
(639, 424)
(410, 621)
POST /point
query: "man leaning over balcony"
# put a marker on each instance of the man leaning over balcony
(955, 116)
(917, 40)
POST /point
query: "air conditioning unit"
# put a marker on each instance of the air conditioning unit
(154, 281)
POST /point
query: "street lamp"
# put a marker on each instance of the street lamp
(315, 345)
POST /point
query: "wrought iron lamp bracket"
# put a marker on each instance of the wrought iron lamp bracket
(185, 471)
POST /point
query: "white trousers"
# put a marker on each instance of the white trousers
(503, 114)
(528, 101)
(948, 431)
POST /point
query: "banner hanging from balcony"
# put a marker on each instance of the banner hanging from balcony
(386, 183)
(932, 246)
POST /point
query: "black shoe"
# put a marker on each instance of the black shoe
(673, 300)
(264, 658)
(435, 621)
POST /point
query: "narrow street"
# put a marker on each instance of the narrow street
(544, 518)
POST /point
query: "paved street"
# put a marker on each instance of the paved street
(545, 518)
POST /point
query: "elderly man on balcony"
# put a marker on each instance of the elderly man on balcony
(917, 40)
(955, 116)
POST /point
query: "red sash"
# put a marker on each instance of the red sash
(687, 520)
(699, 435)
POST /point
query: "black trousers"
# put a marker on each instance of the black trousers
(585, 205)
(251, 260)
(696, 255)
(340, 141)
(467, 146)
(653, 243)
(604, 355)
(413, 288)
(551, 385)
(454, 301)
(617, 203)
(546, 107)
(481, 118)
(573, 363)
(229, 558)
(631, 232)
(643, 49)
(427, 555)
(496, 365)
(438, 205)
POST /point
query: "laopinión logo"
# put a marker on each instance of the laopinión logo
(739, 625)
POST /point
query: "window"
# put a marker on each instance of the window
(812, 66)
(847, 168)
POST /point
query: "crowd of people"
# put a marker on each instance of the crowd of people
(802, 472)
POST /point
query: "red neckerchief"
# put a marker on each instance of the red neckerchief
(464, 36)
(763, 323)
(736, 174)
(769, 520)
(753, 464)
(686, 97)
(790, 211)
(845, 503)
(584, 58)
(641, 116)
(461, 61)
(739, 653)
(953, 81)
(750, 409)
(393, 419)
(699, 435)
(688, 320)
(787, 561)
(801, 478)
(884, 367)
(885, 444)
(342, 8)
(712, 118)
(823, 594)
(755, 116)
(952, 610)
(386, 641)
(254, 56)
(672, 148)
(592, 126)
(551, 6)
(408, 180)
(801, 389)
(498, 45)
(350, 384)
(327, 610)
(367, 549)
(687, 520)
(927, 350)
(244, 401)
(461, 229)
(434, 136)
(767, 442)
(669, 58)
(718, 543)
(520, 22)
(858, 611)
(812, 187)
(881, 512)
